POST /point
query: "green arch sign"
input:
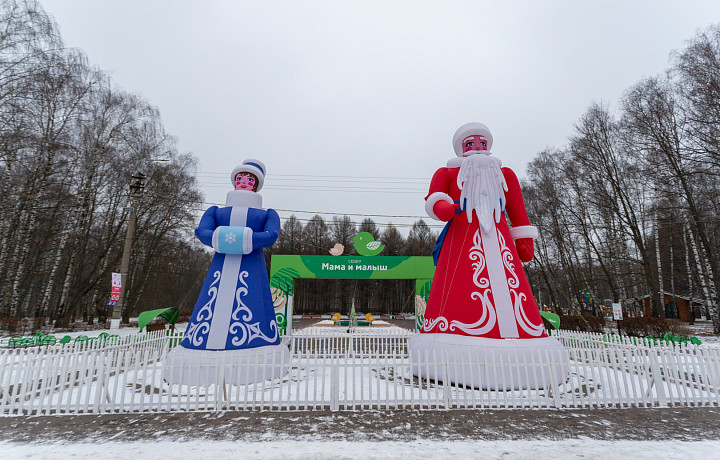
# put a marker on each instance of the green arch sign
(285, 269)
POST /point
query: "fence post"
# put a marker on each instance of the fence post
(100, 382)
(334, 384)
(554, 384)
(446, 381)
(654, 357)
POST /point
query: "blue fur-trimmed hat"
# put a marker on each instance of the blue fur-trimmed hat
(255, 167)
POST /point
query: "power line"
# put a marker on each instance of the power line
(222, 174)
(356, 223)
(336, 213)
(331, 223)
(351, 214)
(340, 179)
(333, 188)
(379, 224)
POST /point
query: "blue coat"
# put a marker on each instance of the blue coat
(235, 308)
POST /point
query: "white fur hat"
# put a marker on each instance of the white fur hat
(471, 129)
(255, 167)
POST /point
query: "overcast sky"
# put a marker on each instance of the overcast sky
(371, 90)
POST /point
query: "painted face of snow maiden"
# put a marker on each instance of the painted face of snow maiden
(474, 143)
(246, 181)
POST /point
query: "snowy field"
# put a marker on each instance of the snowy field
(318, 450)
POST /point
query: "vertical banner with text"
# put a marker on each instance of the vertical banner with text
(116, 288)
(617, 311)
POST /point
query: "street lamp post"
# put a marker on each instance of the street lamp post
(136, 191)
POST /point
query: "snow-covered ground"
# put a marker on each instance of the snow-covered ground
(703, 330)
(336, 450)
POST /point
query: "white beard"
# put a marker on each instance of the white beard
(483, 187)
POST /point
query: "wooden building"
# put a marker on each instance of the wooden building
(683, 305)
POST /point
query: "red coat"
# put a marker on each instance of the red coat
(480, 288)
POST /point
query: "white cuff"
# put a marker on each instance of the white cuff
(216, 235)
(524, 231)
(434, 198)
(247, 240)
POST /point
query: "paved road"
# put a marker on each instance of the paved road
(680, 424)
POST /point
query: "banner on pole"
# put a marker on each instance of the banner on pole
(617, 311)
(116, 288)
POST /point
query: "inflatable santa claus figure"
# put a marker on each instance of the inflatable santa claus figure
(481, 318)
(232, 335)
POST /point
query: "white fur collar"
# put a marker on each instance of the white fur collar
(457, 161)
(243, 198)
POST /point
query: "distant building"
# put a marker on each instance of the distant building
(682, 309)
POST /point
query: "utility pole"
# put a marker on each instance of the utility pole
(136, 191)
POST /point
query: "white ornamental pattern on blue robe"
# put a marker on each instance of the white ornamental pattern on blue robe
(235, 309)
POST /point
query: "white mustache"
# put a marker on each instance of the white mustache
(483, 188)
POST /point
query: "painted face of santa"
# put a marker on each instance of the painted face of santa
(245, 181)
(474, 143)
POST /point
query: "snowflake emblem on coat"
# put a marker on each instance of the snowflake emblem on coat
(230, 238)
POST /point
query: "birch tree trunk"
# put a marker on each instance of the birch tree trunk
(702, 277)
(689, 273)
(676, 311)
(661, 306)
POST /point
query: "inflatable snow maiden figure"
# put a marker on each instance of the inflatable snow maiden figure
(481, 318)
(232, 336)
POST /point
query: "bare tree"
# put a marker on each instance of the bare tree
(420, 240)
(697, 72)
(657, 127)
(599, 149)
(342, 230)
(290, 238)
(69, 142)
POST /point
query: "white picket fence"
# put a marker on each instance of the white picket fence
(350, 341)
(353, 369)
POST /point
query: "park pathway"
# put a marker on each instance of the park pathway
(633, 424)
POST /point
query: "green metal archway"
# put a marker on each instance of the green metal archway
(285, 269)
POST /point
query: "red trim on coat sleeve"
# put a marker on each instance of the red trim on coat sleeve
(515, 205)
